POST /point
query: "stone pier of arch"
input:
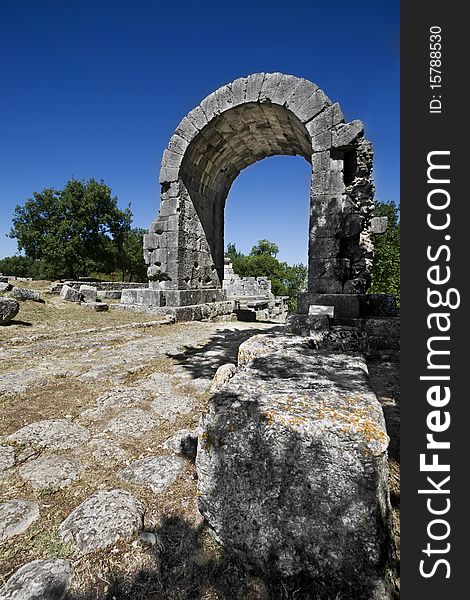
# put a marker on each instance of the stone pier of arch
(254, 117)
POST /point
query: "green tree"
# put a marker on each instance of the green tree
(386, 269)
(265, 247)
(22, 266)
(131, 261)
(73, 231)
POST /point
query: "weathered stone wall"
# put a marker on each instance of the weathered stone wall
(245, 121)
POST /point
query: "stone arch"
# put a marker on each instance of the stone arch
(245, 121)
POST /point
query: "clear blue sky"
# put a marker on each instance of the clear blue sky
(95, 88)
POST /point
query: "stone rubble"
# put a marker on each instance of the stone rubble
(26, 294)
(69, 293)
(88, 293)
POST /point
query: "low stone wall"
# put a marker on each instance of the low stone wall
(292, 467)
(224, 311)
(107, 285)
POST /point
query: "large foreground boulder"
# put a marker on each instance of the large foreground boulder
(8, 310)
(292, 468)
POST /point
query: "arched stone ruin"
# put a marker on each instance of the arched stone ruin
(245, 121)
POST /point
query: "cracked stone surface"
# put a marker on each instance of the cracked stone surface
(115, 399)
(39, 580)
(133, 423)
(169, 407)
(102, 520)
(16, 516)
(155, 472)
(106, 452)
(53, 434)
(50, 472)
(7, 459)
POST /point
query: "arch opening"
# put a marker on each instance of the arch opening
(253, 118)
(233, 141)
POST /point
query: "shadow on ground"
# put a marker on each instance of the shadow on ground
(17, 322)
(179, 569)
(222, 347)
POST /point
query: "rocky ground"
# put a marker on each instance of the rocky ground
(96, 455)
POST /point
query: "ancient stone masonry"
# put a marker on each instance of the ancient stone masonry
(264, 114)
(253, 297)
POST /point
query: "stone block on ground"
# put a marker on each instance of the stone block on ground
(102, 520)
(183, 442)
(96, 306)
(26, 294)
(292, 468)
(69, 293)
(56, 288)
(9, 308)
(88, 292)
(4, 287)
(16, 516)
(39, 580)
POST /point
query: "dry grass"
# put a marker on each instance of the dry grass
(56, 317)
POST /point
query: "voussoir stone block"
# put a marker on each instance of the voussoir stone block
(292, 468)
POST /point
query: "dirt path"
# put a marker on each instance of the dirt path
(89, 411)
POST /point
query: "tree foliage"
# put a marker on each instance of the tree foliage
(73, 231)
(286, 280)
(386, 270)
(23, 266)
(131, 261)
